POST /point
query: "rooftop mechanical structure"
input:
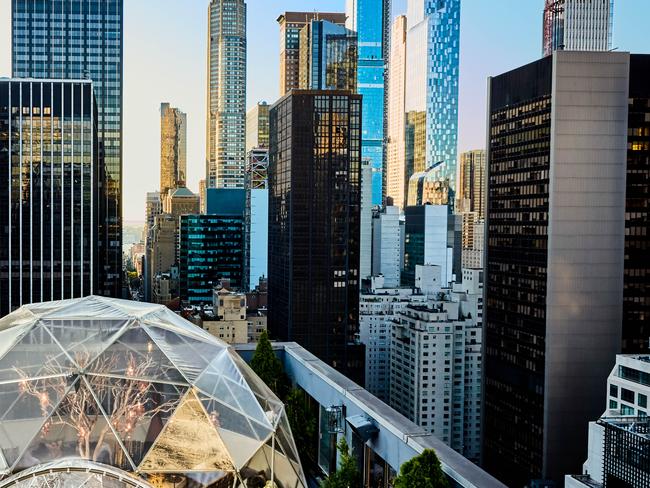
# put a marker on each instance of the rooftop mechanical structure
(100, 392)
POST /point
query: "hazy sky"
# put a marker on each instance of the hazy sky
(164, 60)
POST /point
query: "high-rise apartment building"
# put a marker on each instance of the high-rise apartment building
(577, 25)
(379, 308)
(82, 39)
(435, 361)
(370, 20)
(568, 149)
(257, 126)
(431, 92)
(471, 183)
(290, 25)
(396, 175)
(314, 219)
(387, 252)
(173, 148)
(226, 89)
(327, 57)
(49, 169)
(257, 215)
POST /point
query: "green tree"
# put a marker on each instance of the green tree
(268, 367)
(422, 471)
(347, 475)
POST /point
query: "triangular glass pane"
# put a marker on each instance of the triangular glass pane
(225, 417)
(9, 337)
(76, 428)
(24, 408)
(223, 381)
(284, 436)
(240, 447)
(88, 307)
(268, 401)
(135, 355)
(284, 473)
(35, 354)
(137, 410)
(189, 442)
(189, 355)
(84, 339)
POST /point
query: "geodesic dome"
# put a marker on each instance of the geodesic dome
(135, 386)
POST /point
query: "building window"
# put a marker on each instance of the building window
(613, 404)
(627, 395)
(613, 391)
(643, 400)
(625, 410)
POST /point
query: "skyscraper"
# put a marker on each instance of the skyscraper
(471, 184)
(636, 302)
(328, 57)
(556, 253)
(577, 25)
(370, 20)
(396, 177)
(290, 25)
(49, 169)
(431, 97)
(226, 107)
(173, 148)
(257, 215)
(83, 39)
(257, 126)
(314, 219)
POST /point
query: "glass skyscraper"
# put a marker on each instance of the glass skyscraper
(226, 110)
(328, 57)
(48, 191)
(431, 97)
(314, 218)
(83, 39)
(370, 19)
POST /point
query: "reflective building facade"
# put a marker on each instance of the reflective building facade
(226, 94)
(257, 126)
(83, 39)
(211, 248)
(49, 171)
(173, 148)
(395, 174)
(328, 57)
(566, 168)
(431, 98)
(314, 220)
(290, 25)
(370, 20)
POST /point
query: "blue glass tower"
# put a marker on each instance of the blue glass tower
(82, 39)
(431, 98)
(370, 19)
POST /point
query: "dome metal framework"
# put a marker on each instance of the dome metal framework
(136, 387)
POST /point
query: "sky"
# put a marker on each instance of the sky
(165, 61)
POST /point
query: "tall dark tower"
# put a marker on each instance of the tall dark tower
(83, 39)
(314, 219)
